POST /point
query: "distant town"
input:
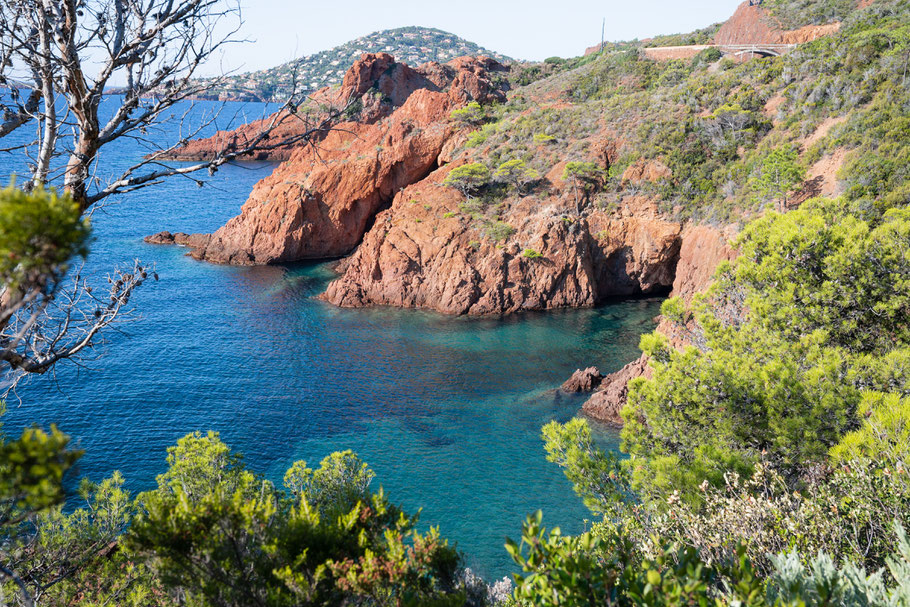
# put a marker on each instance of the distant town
(411, 45)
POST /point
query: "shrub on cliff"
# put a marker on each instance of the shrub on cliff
(847, 509)
(470, 115)
(468, 178)
(40, 232)
(706, 57)
(566, 571)
(516, 173)
(796, 381)
(815, 308)
(731, 125)
(779, 173)
(586, 179)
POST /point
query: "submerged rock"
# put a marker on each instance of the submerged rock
(180, 238)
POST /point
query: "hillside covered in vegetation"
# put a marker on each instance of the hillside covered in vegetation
(410, 45)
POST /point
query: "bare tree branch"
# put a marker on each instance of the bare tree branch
(61, 323)
(70, 54)
(26, 597)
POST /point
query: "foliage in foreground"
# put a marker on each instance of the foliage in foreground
(215, 533)
(591, 570)
(787, 347)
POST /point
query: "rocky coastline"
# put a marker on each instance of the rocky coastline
(372, 190)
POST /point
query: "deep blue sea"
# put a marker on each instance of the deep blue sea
(447, 411)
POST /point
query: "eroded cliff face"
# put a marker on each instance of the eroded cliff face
(702, 249)
(424, 253)
(753, 24)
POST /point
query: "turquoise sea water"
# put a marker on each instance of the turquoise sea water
(446, 410)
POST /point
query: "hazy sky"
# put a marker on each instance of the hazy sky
(534, 30)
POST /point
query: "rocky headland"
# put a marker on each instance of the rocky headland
(377, 182)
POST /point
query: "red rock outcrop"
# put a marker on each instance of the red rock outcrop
(424, 253)
(643, 171)
(606, 404)
(180, 238)
(583, 380)
(703, 248)
(754, 24)
(285, 129)
(320, 201)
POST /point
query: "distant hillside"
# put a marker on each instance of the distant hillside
(411, 45)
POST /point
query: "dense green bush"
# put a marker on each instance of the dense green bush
(40, 232)
(516, 173)
(471, 114)
(772, 369)
(589, 570)
(215, 533)
(468, 178)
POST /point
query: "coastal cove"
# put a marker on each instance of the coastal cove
(439, 329)
(446, 410)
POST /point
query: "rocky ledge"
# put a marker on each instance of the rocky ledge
(583, 380)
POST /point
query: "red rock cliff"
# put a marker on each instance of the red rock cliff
(319, 202)
(702, 249)
(423, 254)
(754, 24)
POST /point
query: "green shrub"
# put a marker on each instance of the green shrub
(479, 137)
(40, 231)
(234, 539)
(468, 178)
(498, 230)
(472, 114)
(780, 172)
(516, 173)
(705, 57)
